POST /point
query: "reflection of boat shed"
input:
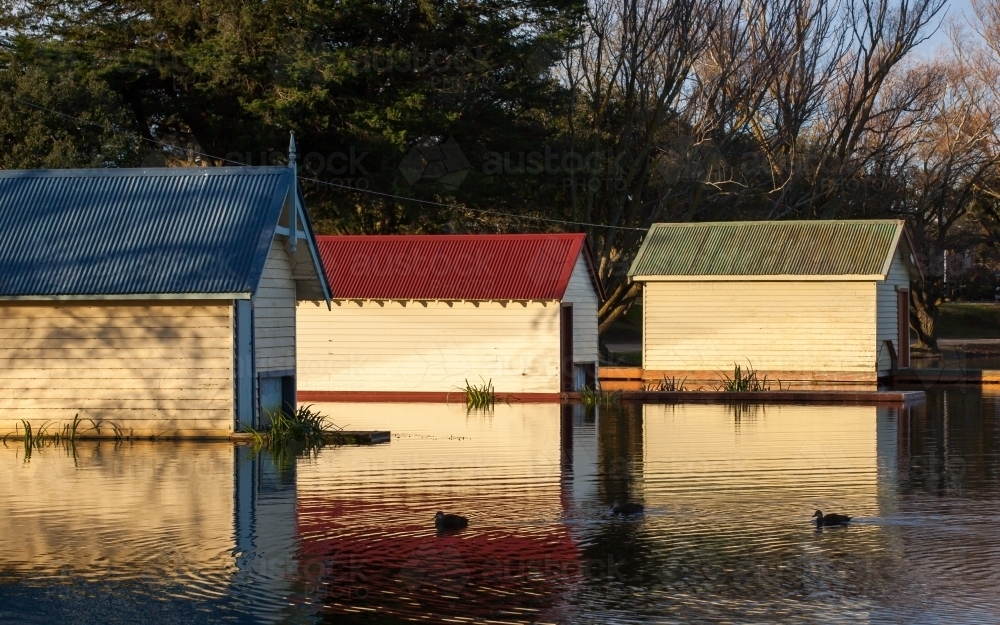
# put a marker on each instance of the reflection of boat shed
(802, 301)
(158, 300)
(419, 315)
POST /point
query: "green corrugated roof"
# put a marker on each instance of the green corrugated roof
(768, 248)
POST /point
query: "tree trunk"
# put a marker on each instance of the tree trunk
(617, 303)
(923, 315)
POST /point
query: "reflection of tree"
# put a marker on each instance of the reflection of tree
(618, 551)
(619, 453)
(951, 445)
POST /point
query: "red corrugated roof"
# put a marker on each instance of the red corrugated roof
(451, 266)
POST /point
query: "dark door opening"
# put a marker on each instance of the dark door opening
(566, 348)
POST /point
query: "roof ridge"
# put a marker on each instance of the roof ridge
(192, 233)
(774, 221)
(843, 247)
(540, 235)
(96, 172)
(485, 267)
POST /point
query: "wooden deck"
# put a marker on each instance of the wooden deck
(927, 377)
(897, 398)
(639, 379)
(635, 379)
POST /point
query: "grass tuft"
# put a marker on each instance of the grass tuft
(37, 437)
(744, 381)
(480, 396)
(596, 397)
(306, 430)
(666, 385)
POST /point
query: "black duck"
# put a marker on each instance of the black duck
(626, 509)
(444, 521)
(830, 519)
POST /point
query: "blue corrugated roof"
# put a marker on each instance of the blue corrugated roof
(137, 231)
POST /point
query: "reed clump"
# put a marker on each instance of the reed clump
(37, 437)
(596, 397)
(481, 396)
(744, 381)
(304, 430)
(671, 384)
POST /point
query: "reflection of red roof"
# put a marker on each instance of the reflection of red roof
(452, 267)
(375, 556)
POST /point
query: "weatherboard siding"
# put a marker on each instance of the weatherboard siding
(776, 326)
(580, 292)
(888, 320)
(428, 347)
(274, 313)
(148, 368)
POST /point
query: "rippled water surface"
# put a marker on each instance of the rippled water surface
(212, 533)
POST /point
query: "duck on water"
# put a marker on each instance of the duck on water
(444, 521)
(831, 519)
(626, 509)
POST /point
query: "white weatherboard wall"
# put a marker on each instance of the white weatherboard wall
(580, 292)
(888, 319)
(153, 368)
(432, 346)
(274, 313)
(778, 325)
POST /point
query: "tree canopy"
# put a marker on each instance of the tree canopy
(598, 116)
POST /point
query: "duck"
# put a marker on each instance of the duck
(626, 509)
(830, 519)
(444, 521)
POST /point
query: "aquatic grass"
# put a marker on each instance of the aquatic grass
(744, 381)
(70, 431)
(34, 438)
(481, 396)
(670, 384)
(117, 433)
(305, 430)
(304, 426)
(746, 411)
(596, 397)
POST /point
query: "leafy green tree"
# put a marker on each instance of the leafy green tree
(32, 137)
(362, 82)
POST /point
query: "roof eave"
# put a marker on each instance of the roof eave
(761, 278)
(313, 249)
(122, 296)
(591, 263)
(913, 259)
(640, 253)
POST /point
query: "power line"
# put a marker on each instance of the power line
(459, 206)
(315, 180)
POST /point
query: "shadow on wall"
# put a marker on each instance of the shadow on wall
(150, 369)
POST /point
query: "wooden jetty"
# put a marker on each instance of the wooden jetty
(927, 377)
(897, 398)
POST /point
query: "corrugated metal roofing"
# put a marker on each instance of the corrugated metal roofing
(450, 267)
(137, 231)
(768, 248)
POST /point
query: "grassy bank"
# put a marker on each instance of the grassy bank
(964, 320)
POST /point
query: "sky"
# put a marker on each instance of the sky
(955, 10)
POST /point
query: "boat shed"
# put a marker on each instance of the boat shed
(151, 302)
(418, 316)
(806, 303)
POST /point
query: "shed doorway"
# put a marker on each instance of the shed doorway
(566, 377)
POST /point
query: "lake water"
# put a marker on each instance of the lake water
(214, 533)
